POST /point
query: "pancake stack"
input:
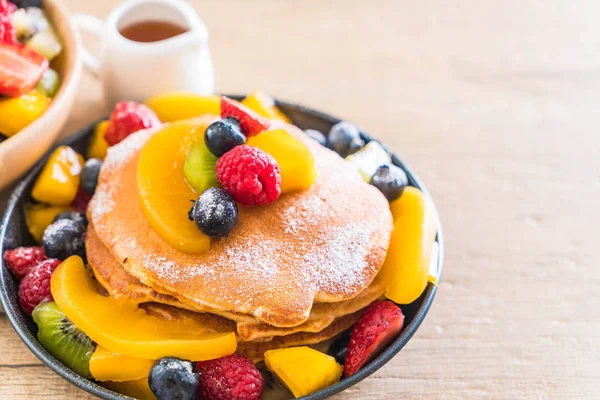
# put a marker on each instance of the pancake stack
(297, 272)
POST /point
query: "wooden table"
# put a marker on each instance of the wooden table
(496, 105)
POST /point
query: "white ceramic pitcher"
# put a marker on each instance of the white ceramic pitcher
(134, 71)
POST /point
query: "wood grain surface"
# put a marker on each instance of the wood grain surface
(496, 105)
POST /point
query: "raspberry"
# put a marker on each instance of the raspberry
(229, 378)
(8, 33)
(81, 201)
(22, 259)
(250, 175)
(128, 117)
(35, 287)
(251, 122)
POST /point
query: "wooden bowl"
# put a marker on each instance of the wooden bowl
(14, 233)
(21, 151)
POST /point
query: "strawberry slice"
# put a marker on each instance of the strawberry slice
(7, 8)
(20, 69)
(378, 327)
(250, 122)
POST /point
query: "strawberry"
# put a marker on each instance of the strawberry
(378, 327)
(251, 123)
(20, 69)
(8, 33)
(128, 117)
(7, 8)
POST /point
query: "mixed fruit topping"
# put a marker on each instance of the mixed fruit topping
(28, 45)
(193, 179)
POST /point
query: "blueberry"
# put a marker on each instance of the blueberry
(339, 348)
(390, 180)
(317, 136)
(215, 212)
(89, 175)
(27, 3)
(345, 139)
(173, 379)
(223, 135)
(73, 216)
(64, 238)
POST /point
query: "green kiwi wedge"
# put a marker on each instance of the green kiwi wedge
(199, 168)
(63, 339)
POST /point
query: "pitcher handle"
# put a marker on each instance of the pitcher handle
(95, 27)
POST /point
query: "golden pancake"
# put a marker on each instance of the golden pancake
(122, 285)
(325, 244)
(255, 350)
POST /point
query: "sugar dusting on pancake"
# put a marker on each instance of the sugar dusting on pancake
(325, 244)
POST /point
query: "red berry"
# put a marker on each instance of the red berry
(8, 33)
(20, 68)
(229, 378)
(251, 123)
(128, 117)
(35, 287)
(378, 327)
(250, 175)
(7, 8)
(22, 259)
(81, 201)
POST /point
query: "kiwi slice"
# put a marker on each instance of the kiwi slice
(273, 390)
(63, 339)
(50, 83)
(199, 167)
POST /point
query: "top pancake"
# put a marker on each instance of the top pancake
(325, 244)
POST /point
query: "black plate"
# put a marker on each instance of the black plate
(14, 233)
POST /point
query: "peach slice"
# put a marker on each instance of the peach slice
(121, 327)
(59, 180)
(296, 161)
(163, 190)
(264, 104)
(303, 370)
(109, 366)
(406, 268)
(178, 106)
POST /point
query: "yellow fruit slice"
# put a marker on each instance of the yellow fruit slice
(59, 180)
(164, 192)
(264, 104)
(138, 389)
(296, 162)
(406, 267)
(178, 106)
(303, 370)
(121, 327)
(39, 216)
(18, 112)
(98, 144)
(109, 366)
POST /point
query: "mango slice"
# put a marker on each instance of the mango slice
(303, 370)
(39, 216)
(138, 389)
(18, 112)
(164, 192)
(178, 106)
(59, 180)
(98, 145)
(264, 104)
(109, 366)
(406, 268)
(296, 161)
(121, 327)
